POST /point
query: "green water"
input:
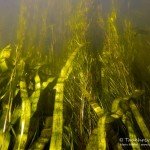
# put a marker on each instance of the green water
(74, 74)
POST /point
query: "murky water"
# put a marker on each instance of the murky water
(74, 74)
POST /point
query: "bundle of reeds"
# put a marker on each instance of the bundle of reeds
(73, 107)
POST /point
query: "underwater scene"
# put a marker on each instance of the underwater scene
(74, 75)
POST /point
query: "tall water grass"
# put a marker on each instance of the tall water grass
(73, 107)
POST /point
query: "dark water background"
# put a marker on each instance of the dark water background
(137, 10)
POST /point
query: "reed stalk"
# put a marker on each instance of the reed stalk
(57, 129)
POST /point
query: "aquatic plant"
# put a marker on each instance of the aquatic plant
(58, 106)
(73, 105)
(117, 80)
(4, 54)
(22, 24)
